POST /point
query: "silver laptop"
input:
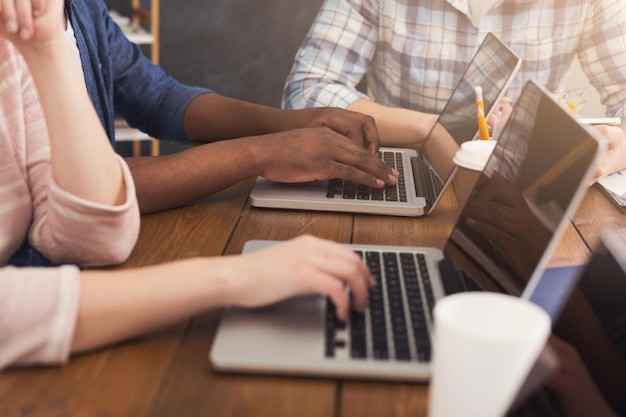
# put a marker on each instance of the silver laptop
(424, 175)
(502, 240)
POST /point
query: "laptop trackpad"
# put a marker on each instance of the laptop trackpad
(296, 310)
(287, 331)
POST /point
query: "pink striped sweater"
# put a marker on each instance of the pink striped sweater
(38, 306)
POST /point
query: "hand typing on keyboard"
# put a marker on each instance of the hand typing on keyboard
(350, 190)
(301, 265)
(319, 154)
(395, 325)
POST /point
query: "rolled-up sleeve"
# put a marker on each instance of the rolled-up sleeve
(144, 94)
(333, 58)
(38, 312)
(122, 81)
(68, 229)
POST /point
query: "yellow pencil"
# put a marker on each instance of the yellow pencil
(483, 130)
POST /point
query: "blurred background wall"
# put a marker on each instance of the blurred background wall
(245, 48)
(239, 48)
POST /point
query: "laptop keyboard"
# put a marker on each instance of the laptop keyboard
(350, 190)
(394, 327)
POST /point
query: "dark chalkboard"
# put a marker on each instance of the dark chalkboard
(240, 48)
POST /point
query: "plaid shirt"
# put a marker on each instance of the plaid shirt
(414, 52)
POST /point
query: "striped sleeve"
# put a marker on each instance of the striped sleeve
(38, 311)
(68, 229)
(38, 306)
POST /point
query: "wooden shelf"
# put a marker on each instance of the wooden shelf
(142, 28)
(135, 34)
(125, 133)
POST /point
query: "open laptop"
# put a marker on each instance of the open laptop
(424, 175)
(586, 304)
(502, 240)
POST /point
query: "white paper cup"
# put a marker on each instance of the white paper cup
(470, 160)
(485, 345)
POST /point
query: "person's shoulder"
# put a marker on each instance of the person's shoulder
(95, 9)
(86, 4)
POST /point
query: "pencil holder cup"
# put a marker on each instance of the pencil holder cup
(470, 160)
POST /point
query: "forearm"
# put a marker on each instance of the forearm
(117, 305)
(212, 117)
(83, 162)
(614, 157)
(165, 182)
(396, 126)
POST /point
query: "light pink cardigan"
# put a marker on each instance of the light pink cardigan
(38, 306)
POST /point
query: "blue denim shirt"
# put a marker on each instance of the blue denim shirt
(121, 80)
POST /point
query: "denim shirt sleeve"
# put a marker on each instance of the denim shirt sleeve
(144, 94)
(128, 83)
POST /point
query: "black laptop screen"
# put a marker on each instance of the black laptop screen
(524, 194)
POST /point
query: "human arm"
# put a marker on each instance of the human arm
(574, 389)
(614, 157)
(335, 55)
(69, 229)
(212, 117)
(116, 305)
(70, 221)
(294, 156)
(396, 126)
(38, 308)
(60, 225)
(154, 102)
(81, 153)
(166, 109)
(57, 311)
(322, 144)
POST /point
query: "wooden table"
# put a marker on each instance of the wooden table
(168, 374)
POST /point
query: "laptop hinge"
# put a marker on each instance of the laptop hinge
(455, 280)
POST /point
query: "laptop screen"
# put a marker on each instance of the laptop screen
(524, 196)
(603, 284)
(491, 68)
(593, 322)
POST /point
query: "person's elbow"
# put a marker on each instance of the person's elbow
(105, 244)
(295, 95)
